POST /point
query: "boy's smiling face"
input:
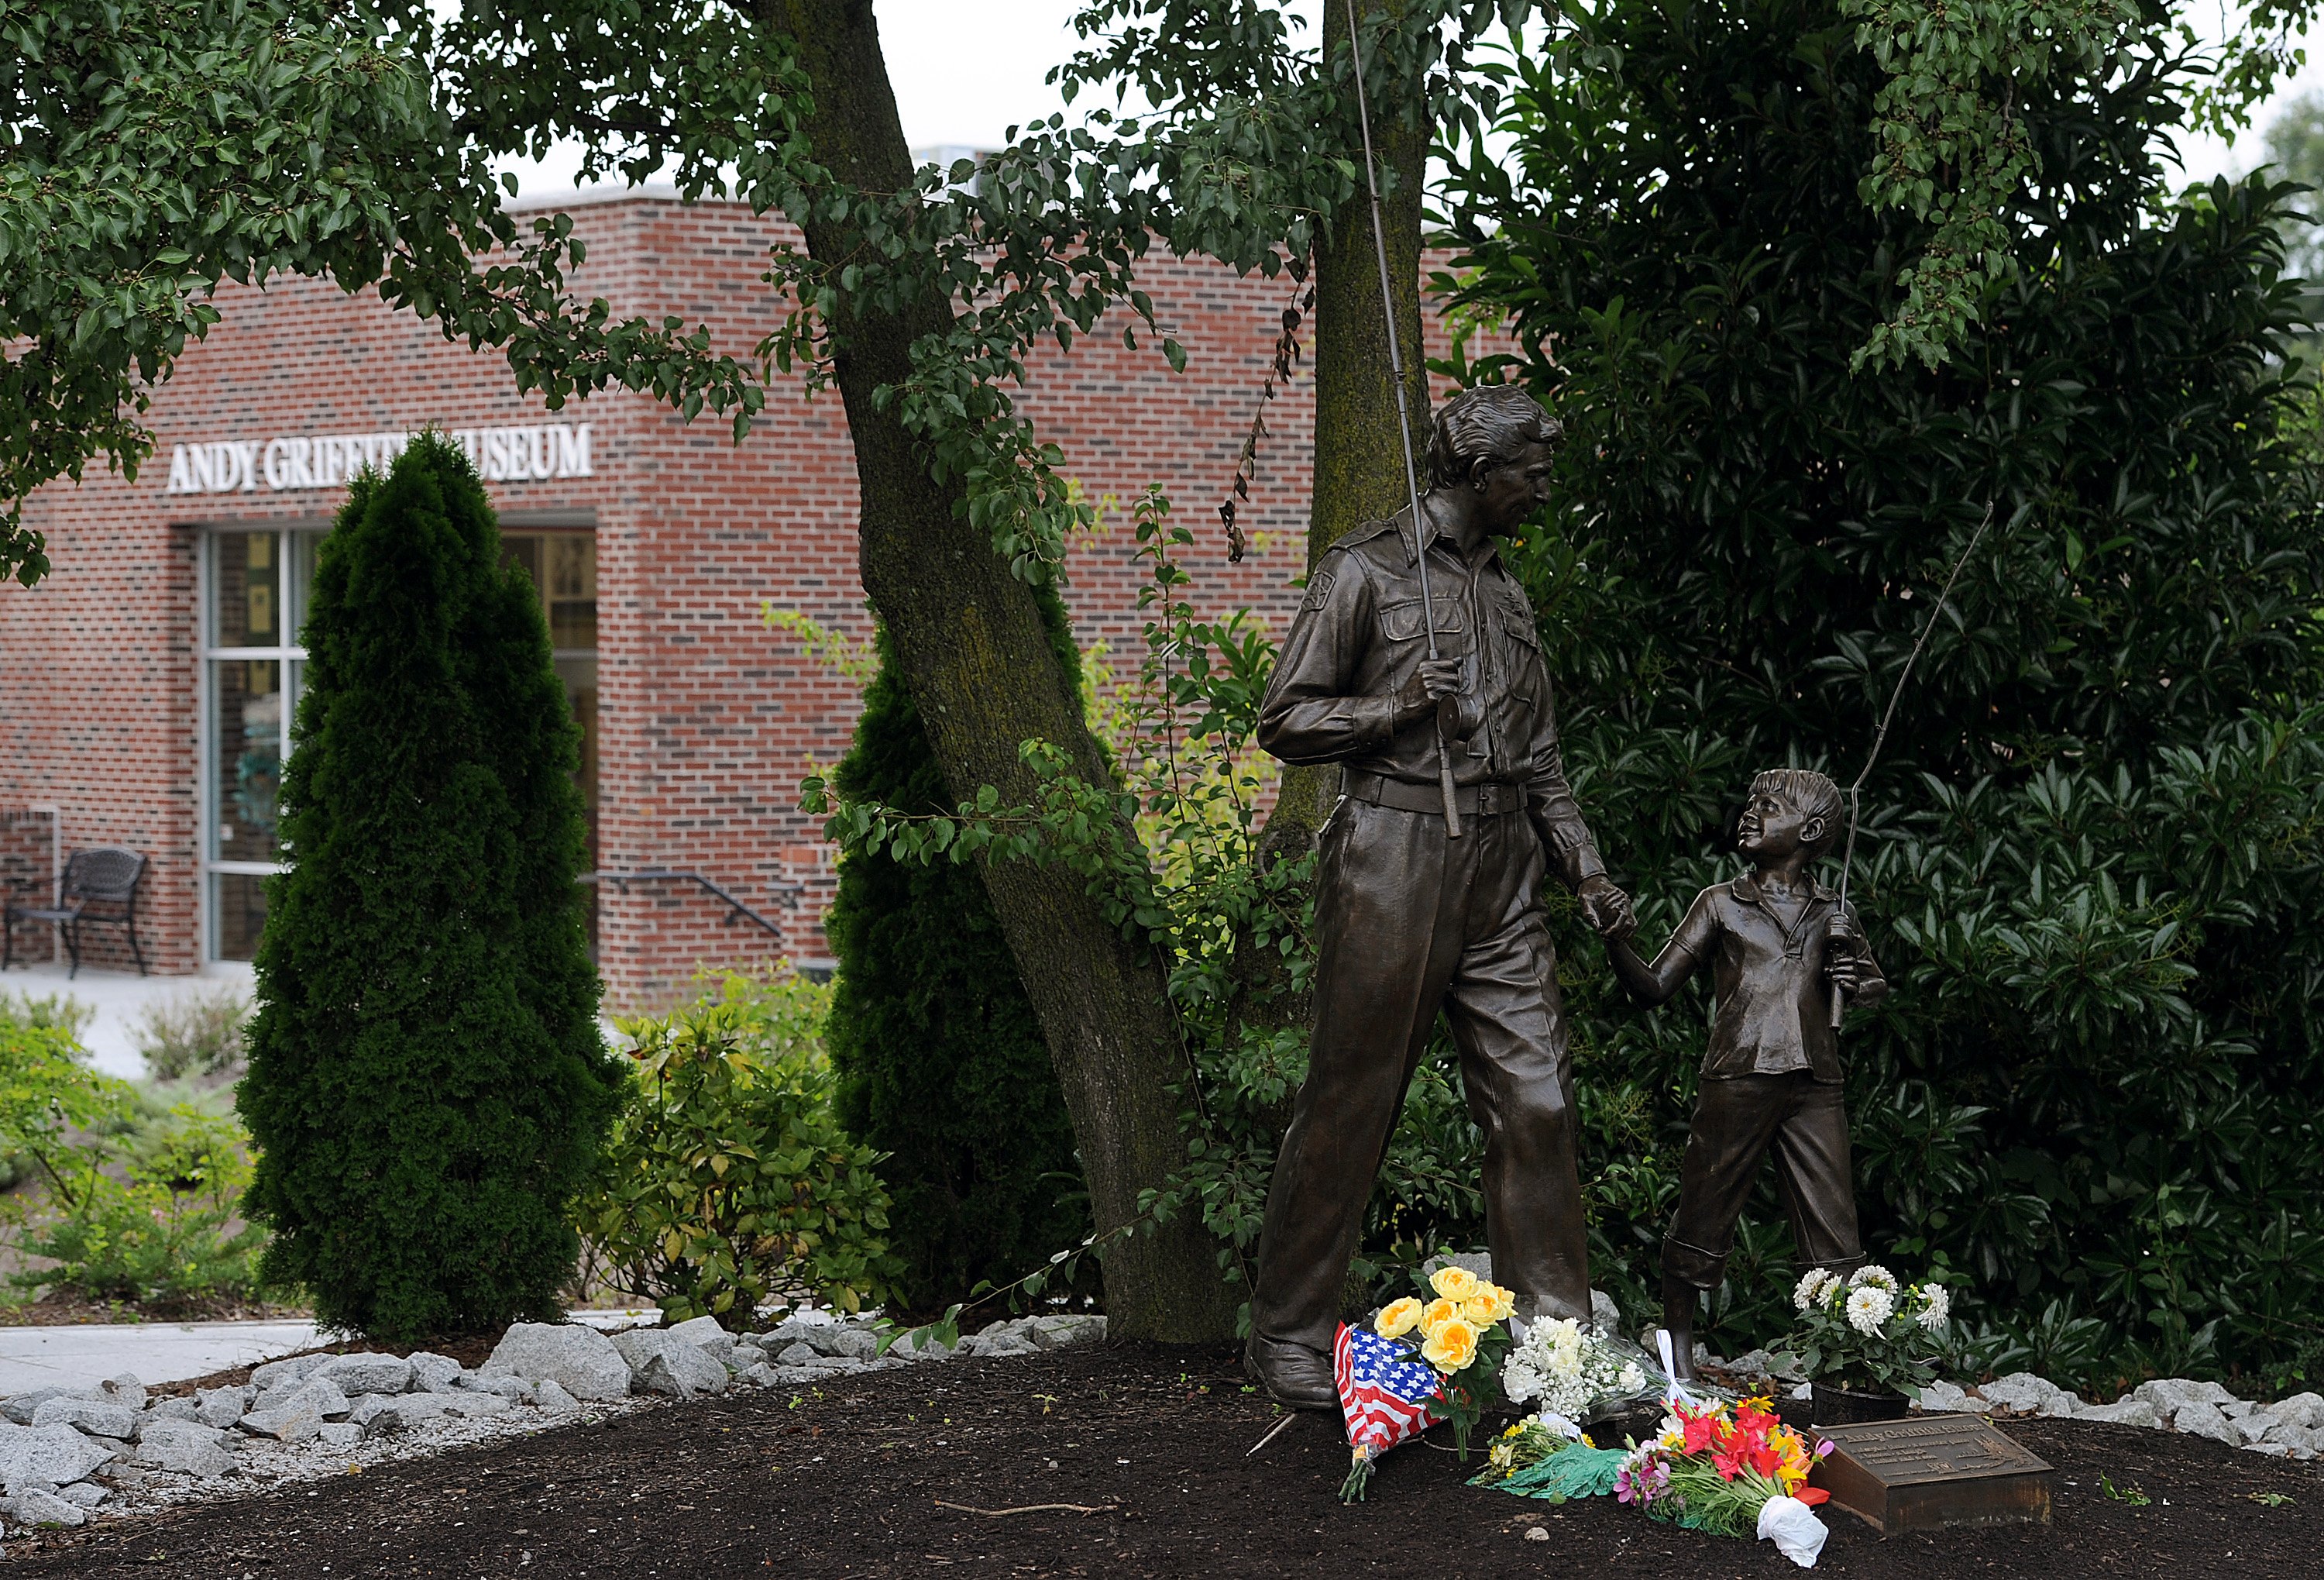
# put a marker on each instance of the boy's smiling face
(1774, 826)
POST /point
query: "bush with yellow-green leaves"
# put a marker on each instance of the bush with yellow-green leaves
(728, 1180)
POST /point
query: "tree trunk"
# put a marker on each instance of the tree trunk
(1358, 469)
(978, 661)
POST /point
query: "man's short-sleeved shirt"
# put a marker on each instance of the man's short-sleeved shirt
(1772, 1011)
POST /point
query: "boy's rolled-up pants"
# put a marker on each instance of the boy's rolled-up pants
(1408, 923)
(1738, 1120)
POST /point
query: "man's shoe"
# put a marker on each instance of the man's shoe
(1295, 1376)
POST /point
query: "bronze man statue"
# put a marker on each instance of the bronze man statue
(1778, 945)
(1408, 921)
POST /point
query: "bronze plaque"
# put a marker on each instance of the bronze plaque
(1926, 1472)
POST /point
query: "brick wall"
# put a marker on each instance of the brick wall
(28, 874)
(708, 717)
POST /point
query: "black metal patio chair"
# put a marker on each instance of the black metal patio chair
(100, 885)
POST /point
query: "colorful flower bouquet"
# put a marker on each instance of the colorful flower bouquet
(1867, 1330)
(1547, 1457)
(1422, 1363)
(1735, 1470)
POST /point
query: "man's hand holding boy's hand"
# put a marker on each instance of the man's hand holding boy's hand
(1606, 908)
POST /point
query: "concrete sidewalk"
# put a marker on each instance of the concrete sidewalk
(121, 1000)
(83, 1356)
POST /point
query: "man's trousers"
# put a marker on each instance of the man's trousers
(1408, 922)
(1738, 1120)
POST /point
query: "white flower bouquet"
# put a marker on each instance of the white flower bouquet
(1566, 1370)
(1867, 1330)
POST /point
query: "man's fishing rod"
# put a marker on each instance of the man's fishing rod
(1880, 738)
(1403, 417)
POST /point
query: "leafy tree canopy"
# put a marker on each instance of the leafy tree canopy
(157, 147)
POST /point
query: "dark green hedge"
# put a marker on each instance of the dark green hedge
(428, 1089)
(2092, 853)
(941, 1060)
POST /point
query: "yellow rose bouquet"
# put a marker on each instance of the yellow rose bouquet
(1427, 1358)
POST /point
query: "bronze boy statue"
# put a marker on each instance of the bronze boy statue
(1778, 944)
(1408, 920)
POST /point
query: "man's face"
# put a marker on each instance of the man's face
(1773, 826)
(1516, 488)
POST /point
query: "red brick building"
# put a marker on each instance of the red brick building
(146, 682)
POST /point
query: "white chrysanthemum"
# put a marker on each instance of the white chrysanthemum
(1937, 1306)
(1562, 1371)
(1873, 1274)
(1869, 1308)
(1811, 1285)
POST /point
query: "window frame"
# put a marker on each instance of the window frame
(207, 722)
(283, 529)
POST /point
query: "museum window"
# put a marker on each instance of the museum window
(255, 584)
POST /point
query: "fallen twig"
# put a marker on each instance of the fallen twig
(1288, 1416)
(1032, 1508)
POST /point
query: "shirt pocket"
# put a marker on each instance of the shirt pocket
(1515, 622)
(1400, 622)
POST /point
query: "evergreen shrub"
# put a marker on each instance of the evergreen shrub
(2090, 855)
(941, 1060)
(728, 1180)
(427, 1085)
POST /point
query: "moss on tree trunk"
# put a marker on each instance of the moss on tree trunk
(969, 638)
(1359, 468)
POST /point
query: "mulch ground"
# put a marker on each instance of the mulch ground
(66, 1311)
(853, 1482)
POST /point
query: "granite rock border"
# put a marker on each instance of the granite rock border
(2289, 1429)
(71, 1456)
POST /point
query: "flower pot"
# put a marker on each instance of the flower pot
(1839, 1406)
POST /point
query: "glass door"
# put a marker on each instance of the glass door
(256, 585)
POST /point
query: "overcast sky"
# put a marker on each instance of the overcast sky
(965, 72)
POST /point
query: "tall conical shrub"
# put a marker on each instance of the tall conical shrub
(941, 1060)
(427, 1087)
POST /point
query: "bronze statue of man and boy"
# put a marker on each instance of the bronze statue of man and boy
(1411, 920)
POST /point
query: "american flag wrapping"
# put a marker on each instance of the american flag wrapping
(1386, 1395)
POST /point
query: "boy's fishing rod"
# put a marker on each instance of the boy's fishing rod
(1403, 417)
(1880, 737)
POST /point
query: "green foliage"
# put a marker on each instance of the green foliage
(427, 1085)
(198, 1035)
(48, 1096)
(52, 1011)
(150, 1218)
(2294, 152)
(157, 147)
(1952, 145)
(728, 1179)
(136, 1203)
(2089, 856)
(941, 1061)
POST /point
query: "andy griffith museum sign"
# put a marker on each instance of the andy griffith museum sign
(330, 460)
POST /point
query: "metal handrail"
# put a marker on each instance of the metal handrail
(786, 892)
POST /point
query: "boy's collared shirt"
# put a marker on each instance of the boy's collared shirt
(1774, 1002)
